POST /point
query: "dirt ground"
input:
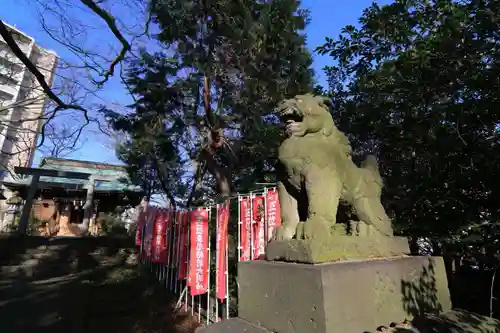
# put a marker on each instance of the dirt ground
(110, 294)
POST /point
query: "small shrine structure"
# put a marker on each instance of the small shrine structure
(69, 194)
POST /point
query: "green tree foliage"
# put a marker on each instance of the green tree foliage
(205, 103)
(418, 83)
(151, 150)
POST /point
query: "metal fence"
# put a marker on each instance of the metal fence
(241, 235)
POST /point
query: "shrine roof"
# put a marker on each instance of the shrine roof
(114, 177)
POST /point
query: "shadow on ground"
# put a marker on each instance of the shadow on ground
(421, 301)
(81, 285)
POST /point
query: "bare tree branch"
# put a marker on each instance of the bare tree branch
(4, 32)
(68, 94)
(110, 21)
(60, 140)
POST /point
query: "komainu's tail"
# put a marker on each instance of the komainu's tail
(370, 163)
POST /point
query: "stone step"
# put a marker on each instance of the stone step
(38, 249)
(43, 256)
(232, 325)
(26, 269)
(37, 255)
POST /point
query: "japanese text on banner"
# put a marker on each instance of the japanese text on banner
(198, 261)
(273, 212)
(159, 245)
(222, 224)
(258, 227)
(245, 233)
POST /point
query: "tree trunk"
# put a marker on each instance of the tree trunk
(221, 173)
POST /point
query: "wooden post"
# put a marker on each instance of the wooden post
(88, 207)
(25, 215)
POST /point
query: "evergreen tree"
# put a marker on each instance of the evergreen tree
(212, 91)
(418, 83)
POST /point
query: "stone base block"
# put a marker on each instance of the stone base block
(339, 247)
(348, 296)
(454, 321)
(232, 325)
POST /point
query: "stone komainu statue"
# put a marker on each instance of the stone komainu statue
(316, 172)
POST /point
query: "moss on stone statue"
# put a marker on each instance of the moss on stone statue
(336, 248)
(315, 172)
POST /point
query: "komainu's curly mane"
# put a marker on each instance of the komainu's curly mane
(309, 103)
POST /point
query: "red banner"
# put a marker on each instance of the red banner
(198, 260)
(222, 224)
(177, 239)
(168, 235)
(245, 233)
(273, 212)
(184, 245)
(140, 224)
(148, 231)
(159, 246)
(258, 227)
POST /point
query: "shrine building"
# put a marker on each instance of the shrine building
(63, 193)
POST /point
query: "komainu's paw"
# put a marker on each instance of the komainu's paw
(299, 234)
(283, 233)
(316, 228)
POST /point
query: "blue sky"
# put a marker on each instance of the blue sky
(328, 18)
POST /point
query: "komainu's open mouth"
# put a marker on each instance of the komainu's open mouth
(290, 115)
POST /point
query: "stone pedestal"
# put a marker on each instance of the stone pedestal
(335, 248)
(346, 296)
(232, 325)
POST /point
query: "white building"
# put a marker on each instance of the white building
(22, 101)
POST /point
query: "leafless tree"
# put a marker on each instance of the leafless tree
(60, 139)
(76, 87)
(27, 115)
